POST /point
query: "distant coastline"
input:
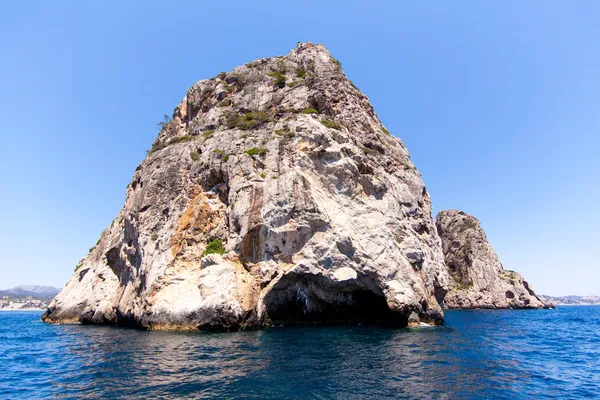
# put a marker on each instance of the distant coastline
(572, 300)
(27, 298)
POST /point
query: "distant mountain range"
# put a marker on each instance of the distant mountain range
(571, 300)
(44, 293)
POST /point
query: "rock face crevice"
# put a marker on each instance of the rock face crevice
(321, 216)
(478, 278)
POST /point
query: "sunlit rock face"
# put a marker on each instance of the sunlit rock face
(478, 278)
(283, 162)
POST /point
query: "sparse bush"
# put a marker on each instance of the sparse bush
(173, 140)
(256, 151)
(300, 72)
(180, 139)
(225, 157)
(195, 155)
(278, 78)
(154, 237)
(354, 86)
(331, 124)
(285, 133)
(208, 133)
(224, 103)
(385, 130)
(215, 246)
(336, 62)
(226, 86)
(309, 111)
(247, 121)
(163, 124)
(219, 152)
(281, 67)
(263, 175)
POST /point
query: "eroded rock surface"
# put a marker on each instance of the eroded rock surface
(478, 278)
(322, 215)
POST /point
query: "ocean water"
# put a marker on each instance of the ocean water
(512, 354)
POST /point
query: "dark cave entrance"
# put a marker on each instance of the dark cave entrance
(316, 300)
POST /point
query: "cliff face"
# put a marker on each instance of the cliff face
(478, 279)
(274, 195)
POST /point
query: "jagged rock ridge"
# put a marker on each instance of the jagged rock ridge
(283, 163)
(478, 278)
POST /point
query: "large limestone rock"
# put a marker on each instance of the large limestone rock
(478, 278)
(322, 216)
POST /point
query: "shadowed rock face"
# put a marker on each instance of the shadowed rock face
(478, 279)
(323, 217)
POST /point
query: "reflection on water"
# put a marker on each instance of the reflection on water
(478, 354)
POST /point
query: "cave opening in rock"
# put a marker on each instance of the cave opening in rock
(312, 300)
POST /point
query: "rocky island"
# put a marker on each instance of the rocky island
(274, 195)
(478, 278)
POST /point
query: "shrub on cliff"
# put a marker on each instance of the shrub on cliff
(331, 124)
(247, 121)
(163, 124)
(215, 246)
(256, 151)
(278, 78)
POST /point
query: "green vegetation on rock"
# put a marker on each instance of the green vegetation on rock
(247, 121)
(285, 133)
(278, 78)
(256, 151)
(173, 140)
(219, 152)
(336, 62)
(215, 246)
(329, 123)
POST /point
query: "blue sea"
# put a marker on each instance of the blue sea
(511, 354)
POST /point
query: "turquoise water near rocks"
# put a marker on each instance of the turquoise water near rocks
(512, 354)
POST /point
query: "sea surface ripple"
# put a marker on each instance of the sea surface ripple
(512, 354)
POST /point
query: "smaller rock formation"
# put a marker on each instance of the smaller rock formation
(479, 280)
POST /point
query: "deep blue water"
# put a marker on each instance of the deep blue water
(478, 354)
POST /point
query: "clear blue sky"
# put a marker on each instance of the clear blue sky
(497, 101)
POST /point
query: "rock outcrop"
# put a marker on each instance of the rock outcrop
(274, 195)
(478, 278)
